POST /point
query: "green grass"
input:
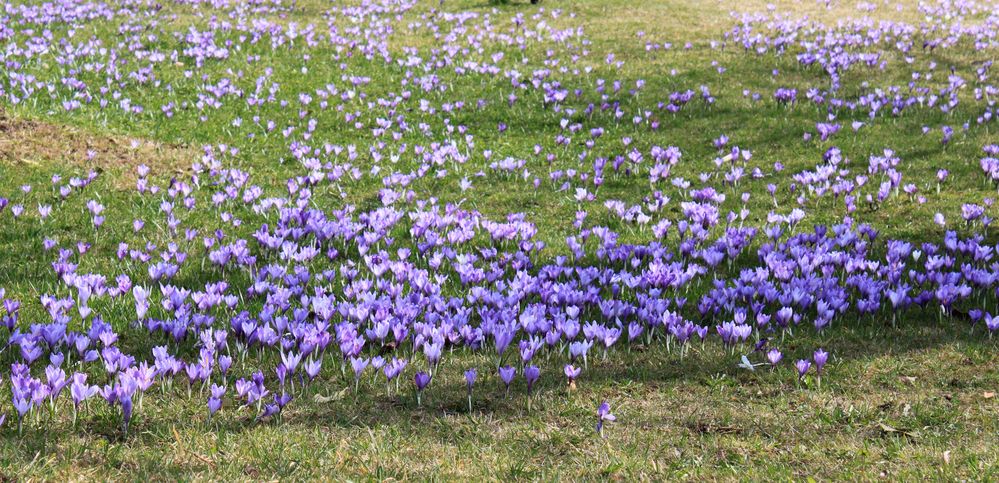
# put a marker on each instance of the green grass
(891, 405)
(911, 403)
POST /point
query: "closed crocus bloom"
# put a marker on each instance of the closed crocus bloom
(224, 363)
(470, 376)
(214, 404)
(312, 368)
(507, 373)
(531, 374)
(125, 400)
(358, 364)
(215, 399)
(421, 379)
(802, 365)
(820, 357)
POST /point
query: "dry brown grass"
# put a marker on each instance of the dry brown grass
(29, 142)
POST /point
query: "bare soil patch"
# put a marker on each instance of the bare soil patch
(28, 142)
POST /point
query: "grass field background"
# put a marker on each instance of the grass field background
(912, 402)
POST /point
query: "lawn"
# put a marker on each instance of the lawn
(186, 185)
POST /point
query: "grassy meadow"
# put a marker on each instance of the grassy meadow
(909, 402)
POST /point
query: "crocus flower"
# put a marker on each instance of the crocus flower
(422, 379)
(80, 391)
(214, 404)
(820, 357)
(507, 373)
(531, 374)
(774, 356)
(359, 364)
(802, 365)
(603, 415)
(215, 401)
(470, 376)
(224, 363)
(125, 400)
(269, 410)
(991, 323)
(141, 301)
(571, 373)
(21, 406)
(313, 367)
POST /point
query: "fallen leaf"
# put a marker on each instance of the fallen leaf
(319, 398)
(988, 394)
(890, 430)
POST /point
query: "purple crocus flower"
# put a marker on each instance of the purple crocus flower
(141, 295)
(312, 368)
(215, 401)
(125, 400)
(290, 361)
(603, 415)
(393, 369)
(531, 374)
(470, 376)
(774, 356)
(802, 365)
(991, 323)
(269, 410)
(358, 364)
(80, 390)
(225, 362)
(214, 404)
(422, 379)
(571, 373)
(21, 406)
(507, 373)
(820, 357)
